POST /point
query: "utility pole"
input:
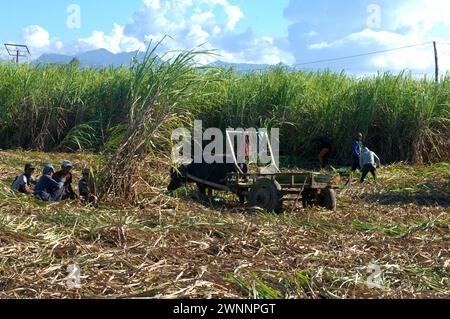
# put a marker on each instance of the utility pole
(17, 51)
(436, 61)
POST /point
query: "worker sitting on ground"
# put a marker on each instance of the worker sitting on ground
(356, 152)
(369, 162)
(85, 188)
(66, 174)
(47, 189)
(25, 182)
(325, 148)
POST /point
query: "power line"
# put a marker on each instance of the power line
(362, 54)
(354, 56)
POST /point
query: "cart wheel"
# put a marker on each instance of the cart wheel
(268, 195)
(328, 199)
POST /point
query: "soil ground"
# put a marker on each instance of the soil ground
(185, 247)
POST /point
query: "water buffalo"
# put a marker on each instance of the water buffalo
(215, 173)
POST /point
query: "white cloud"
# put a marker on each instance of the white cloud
(365, 37)
(321, 45)
(234, 14)
(403, 23)
(115, 42)
(36, 36)
(172, 17)
(210, 22)
(312, 34)
(217, 30)
(203, 18)
(197, 35)
(154, 4)
(258, 51)
(420, 60)
(39, 41)
(422, 15)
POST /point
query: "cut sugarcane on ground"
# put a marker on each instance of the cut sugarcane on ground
(184, 246)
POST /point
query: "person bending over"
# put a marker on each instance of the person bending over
(325, 147)
(369, 162)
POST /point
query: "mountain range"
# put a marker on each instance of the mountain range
(102, 58)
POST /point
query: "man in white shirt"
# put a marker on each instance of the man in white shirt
(369, 162)
(24, 183)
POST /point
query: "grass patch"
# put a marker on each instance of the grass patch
(373, 227)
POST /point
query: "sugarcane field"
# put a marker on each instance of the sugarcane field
(171, 176)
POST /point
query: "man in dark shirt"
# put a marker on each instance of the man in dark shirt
(356, 152)
(65, 175)
(47, 189)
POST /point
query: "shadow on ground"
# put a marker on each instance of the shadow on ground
(429, 194)
(219, 201)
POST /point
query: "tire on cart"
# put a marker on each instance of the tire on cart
(328, 199)
(268, 195)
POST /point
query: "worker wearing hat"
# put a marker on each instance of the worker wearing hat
(47, 189)
(65, 175)
(25, 182)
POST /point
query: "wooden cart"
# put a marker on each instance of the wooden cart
(270, 191)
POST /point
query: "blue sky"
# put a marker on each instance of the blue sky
(251, 31)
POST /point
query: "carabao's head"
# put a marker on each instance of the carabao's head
(177, 178)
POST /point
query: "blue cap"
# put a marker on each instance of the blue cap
(66, 164)
(47, 169)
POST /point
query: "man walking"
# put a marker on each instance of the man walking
(369, 163)
(24, 183)
(356, 152)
